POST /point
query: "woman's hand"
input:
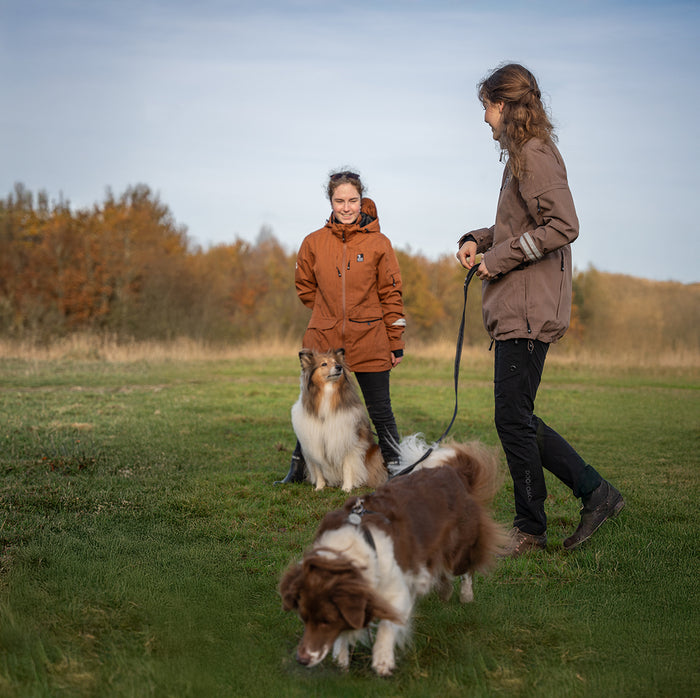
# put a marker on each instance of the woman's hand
(467, 254)
(484, 274)
(467, 258)
(395, 360)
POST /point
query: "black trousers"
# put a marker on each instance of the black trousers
(529, 444)
(377, 396)
(375, 391)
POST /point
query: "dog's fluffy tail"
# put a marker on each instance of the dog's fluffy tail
(412, 449)
(477, 464)
(478, 467)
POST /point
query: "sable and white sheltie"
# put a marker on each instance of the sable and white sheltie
(371, 560)
(332, 425)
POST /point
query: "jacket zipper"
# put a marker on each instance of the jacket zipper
(342, 276)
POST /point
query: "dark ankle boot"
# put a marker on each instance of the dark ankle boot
(297, 470)
(604, 503)
(521, 543)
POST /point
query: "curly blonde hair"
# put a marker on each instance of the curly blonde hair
(524, 115)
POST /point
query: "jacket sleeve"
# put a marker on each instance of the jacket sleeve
(483, 237)
(545, 192)
(304, 276)
(390, 289)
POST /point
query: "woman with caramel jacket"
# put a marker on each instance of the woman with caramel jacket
(348, 275)
(526, 274)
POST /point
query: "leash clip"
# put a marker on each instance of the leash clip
(356, 513)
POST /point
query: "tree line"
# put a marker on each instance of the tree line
(125, 267)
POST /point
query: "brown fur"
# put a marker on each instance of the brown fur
(332, 425)
(437, 525)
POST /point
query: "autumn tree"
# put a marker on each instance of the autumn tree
(127, 268)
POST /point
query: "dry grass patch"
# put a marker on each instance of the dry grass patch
(92, 347)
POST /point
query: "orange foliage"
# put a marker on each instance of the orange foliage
(127, 268)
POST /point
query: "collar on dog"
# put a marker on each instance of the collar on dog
(355, 518)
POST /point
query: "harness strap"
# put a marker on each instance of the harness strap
(355, 518)
(458, 358)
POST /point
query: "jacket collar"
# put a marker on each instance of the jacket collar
(365, 224)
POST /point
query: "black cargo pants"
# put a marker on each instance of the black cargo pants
(529, 444)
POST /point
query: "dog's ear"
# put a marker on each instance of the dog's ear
(340, 358)
(306, 357)
(382, 610)
(289, 587)
(353, 607)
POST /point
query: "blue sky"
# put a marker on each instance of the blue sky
(235, 112)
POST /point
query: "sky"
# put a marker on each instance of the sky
(235, 112)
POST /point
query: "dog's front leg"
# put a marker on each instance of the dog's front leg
(466, 590)
(383, 661)
(341, 651)
(316, 475)
(348, 472)
(354, 472)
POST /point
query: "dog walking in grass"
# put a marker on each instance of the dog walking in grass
(372, 559)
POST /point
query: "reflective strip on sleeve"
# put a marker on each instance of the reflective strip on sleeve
(529, 248)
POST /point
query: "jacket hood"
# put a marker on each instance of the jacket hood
(368, 221)
(369, 207)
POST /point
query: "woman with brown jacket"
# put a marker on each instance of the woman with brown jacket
(348, 275)
(526, 274)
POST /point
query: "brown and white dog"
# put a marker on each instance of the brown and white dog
(332, 425)
(372, 559)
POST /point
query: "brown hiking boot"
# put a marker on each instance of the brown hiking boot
(604, 503)
(521, 543)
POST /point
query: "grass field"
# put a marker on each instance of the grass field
(142, 540)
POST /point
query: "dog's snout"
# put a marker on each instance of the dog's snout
(303, 658)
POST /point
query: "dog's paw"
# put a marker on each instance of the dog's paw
(341, 654)
(466, 591)
(383, 661)
(383, 666)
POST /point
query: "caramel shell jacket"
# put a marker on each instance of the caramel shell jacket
(529, 247)
(349, 276)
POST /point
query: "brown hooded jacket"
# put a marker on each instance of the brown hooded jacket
(529, 249)
(349, 276)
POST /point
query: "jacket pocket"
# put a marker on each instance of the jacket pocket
(319, 322)
(365, 320)
(367, 339)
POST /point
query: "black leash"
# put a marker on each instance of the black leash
(458, 357)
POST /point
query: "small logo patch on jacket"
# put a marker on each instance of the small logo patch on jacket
(360, 257)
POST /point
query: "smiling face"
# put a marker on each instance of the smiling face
(346, 202)
(493, 116)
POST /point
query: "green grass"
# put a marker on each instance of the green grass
(143, 541)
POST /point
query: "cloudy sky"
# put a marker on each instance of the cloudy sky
(234, 112)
